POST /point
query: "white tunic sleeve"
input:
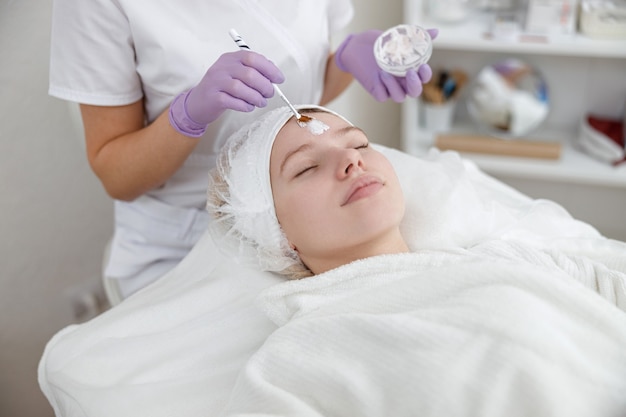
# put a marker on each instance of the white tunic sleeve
(340, 14)
(92, 57)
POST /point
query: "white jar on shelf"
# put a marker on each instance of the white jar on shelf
(449, 11)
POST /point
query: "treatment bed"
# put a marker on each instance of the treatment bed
(212, 337)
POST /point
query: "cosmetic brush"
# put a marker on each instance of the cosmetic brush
(315, 126)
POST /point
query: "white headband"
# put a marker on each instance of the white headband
(240, 195)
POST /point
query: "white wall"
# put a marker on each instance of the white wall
(55, 217)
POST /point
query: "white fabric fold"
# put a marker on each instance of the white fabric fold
(501, 329)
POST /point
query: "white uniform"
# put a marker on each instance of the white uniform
(115, 52)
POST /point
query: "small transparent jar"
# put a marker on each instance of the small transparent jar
(403, 48)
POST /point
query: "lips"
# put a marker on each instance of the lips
(363, 187)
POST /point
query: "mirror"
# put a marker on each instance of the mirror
(508, 98)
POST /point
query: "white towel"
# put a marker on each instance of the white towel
(502, 329)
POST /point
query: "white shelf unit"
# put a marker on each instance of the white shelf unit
(471, 34)
(584, 75)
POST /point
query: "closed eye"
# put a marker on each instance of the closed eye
(305, 170)
(363, 146)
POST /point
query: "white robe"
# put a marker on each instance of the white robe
(501, 329)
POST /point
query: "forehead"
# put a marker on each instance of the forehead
(291, 134)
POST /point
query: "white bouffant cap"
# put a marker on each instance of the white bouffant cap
(240, 198)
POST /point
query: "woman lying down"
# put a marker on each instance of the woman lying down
(368, 327)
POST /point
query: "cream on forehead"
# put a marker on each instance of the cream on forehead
(315, 126)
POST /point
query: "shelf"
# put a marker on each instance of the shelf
(573, 166)
(472, 35)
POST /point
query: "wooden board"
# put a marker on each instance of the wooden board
(495, 146)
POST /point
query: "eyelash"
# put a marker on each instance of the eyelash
(363, 146)
(305, 170)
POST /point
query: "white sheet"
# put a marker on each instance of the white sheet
(173, 349)
(501, 329)
(176, 347)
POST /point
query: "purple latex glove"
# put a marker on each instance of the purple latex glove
(356, 56)
(239, 81)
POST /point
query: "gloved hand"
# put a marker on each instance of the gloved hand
(239, 81)
(356, 56)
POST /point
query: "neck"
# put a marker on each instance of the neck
(388, 244)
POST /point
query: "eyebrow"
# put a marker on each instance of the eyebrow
(347, 129)
(300, 148)
(341, 132)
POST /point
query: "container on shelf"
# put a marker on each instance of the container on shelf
(449, 11)
(603, 19)
(437, 117)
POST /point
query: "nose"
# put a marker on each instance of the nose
(350, 161)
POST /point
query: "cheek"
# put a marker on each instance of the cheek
(292, 208)
(300, 212)
(396, 200)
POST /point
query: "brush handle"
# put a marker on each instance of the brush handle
(243, 45)
(238, 39)
(281, 95)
